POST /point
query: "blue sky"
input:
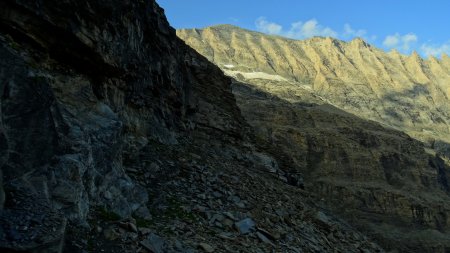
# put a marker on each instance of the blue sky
(418, 25)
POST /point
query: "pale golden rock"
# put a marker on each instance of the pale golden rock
(407, 93)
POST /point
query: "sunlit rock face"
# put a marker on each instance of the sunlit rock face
(405, 92)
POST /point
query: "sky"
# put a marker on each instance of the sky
(405, 25)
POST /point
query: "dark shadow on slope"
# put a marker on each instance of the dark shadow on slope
(443, 148)
(368, 173)
(407, 100)
(332, 122)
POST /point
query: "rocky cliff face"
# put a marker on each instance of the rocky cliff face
(83, 85)
(115, 133)
(407, 93)
(301, 97)
(379, 179)
(81, 90)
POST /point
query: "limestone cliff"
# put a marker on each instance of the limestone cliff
(405, 92)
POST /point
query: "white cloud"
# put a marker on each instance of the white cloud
(298, 30)
(268, 27)
(302, 30)
(401, 42)
(350, 32)
(391, 41)
(435, 50)
(310, 28)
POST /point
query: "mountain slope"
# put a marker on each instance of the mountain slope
(378, 179)
(117, 137)
(404, 92)
(314, 104)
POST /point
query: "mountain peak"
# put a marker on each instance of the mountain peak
(224, 26)
(228, 28)
(414, 55)
(433, 58)
(360, 42)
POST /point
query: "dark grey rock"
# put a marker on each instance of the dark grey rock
(2, 191)
(323, 220)
(264, 162)
(82, 97)
(263, 238)
(295, 179)
(154, 244)
(245, 226)
(143, 212)
(34, 226)
(206, 247)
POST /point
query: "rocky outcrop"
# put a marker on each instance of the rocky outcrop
(85, 85)
(29, 222)
(404, 92)
(81, 87)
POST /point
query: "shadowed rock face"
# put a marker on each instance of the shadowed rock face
(407, 93)
(379, 179)
(83, 85)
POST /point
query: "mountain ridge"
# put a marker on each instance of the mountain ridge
(357, 38)
(406, 92)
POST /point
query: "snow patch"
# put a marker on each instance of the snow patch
(256, 75)
(228, 66)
